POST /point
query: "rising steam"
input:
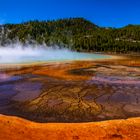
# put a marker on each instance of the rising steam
(20, 53)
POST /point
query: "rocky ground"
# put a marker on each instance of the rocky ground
(13, 128)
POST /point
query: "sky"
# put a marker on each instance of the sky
(105, 13)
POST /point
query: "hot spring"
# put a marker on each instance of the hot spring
(18, 53)
(75, 91)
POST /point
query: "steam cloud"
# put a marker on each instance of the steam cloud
(19, 53)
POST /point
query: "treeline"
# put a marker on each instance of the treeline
(75, 33)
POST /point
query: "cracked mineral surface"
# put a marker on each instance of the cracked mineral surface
(80, 91)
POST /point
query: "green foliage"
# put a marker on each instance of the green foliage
(76, 33)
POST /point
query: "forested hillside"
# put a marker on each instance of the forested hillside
(75, 33)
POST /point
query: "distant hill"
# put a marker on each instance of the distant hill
(75, 33)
